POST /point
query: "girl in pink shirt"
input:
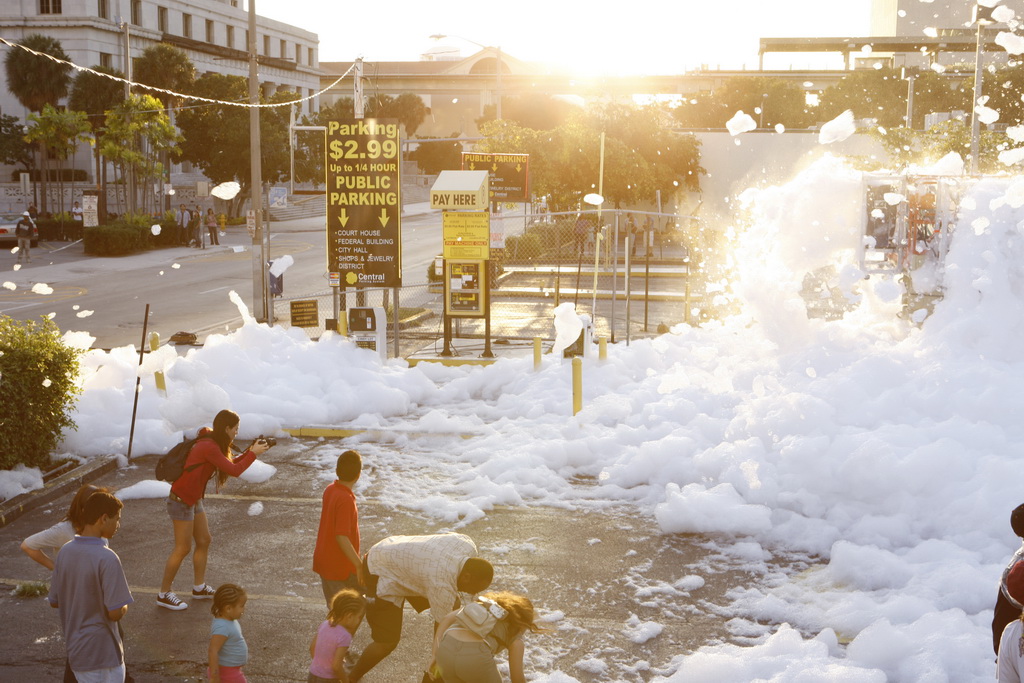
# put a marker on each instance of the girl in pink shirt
(330, 645)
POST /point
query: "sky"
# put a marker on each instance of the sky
(589, 38)
(883, 448)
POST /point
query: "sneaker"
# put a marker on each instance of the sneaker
(170, 601)
(204, 593)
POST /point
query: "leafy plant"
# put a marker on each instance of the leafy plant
(38, 386)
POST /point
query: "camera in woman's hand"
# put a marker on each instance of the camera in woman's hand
(269, 440)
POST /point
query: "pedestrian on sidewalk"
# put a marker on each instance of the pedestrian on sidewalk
(23, 230)
(336, 554)
(211, 454)
(211, 227)
(90, 592)
(182, 219)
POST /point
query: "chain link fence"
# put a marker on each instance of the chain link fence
(631, 271)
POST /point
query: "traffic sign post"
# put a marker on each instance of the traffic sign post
(364, 210)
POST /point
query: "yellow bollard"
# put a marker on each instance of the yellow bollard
(577, 385)
(602, 348)
(223, 220)
(158, 376)
(343, 324)
(536, 353)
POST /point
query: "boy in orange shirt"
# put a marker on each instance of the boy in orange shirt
(336, 556)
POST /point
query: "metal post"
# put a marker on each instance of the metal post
(138, 383)
(647, 272)
(910, 102)
(396, 317)
(975, 123)
(627, 277)
(615, 270)
(260, 276)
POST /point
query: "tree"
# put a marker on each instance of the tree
(434, 156)
(37, 81)
(14, 150)
(216, 136)
(879, 94)
(137, 131)
(167, 67)
(533, 110)
(641, 154)
(770, 101)
(96, 95)
(59, 131)
(907, 147)
(408, 108)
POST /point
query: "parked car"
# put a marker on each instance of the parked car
(8, 221)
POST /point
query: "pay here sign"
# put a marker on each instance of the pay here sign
(364, 209)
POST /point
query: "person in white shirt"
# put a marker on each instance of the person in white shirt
(435, 572)
(76, 212)
(1010, 663)
(52, 539)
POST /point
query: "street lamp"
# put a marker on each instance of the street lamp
(442, 36)
(982, 17)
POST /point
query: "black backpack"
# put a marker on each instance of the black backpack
(171, 465)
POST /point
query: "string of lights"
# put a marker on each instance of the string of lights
(197, 98)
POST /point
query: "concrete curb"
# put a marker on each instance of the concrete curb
(14, 508)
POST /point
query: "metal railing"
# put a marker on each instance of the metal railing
(630, 270)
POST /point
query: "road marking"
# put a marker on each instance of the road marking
(146, 590)
(215, 289)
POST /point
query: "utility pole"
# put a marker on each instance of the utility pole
(260, 279)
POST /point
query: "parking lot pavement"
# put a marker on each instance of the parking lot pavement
(590, 572)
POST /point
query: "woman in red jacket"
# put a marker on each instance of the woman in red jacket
(211, 453)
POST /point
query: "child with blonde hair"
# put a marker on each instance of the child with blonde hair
(228, 652)
(333, 637)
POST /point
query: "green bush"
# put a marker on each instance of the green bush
(131, 233)
(115, 240)
(38, 386)
(519, 248)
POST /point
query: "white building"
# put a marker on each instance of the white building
(213, 33)
(912, 18)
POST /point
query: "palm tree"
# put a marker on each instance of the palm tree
(167, 67)
(96, 95)
(37, 81)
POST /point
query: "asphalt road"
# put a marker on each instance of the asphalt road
(588, 570)
(186, 289)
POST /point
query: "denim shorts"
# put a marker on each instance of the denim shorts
(183, 513)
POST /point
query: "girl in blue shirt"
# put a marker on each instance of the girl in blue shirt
(228, 652)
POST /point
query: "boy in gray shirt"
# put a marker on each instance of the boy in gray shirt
(91, 594)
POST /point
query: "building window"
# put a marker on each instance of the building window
(161, 19)
(103, 9)
(186, 25)
(209, 31)
(49, 6)
(137, 12)
(284, 49)
(309, 53)
(106, 60)
(298, 53)
(266, 45)
(231, 35)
